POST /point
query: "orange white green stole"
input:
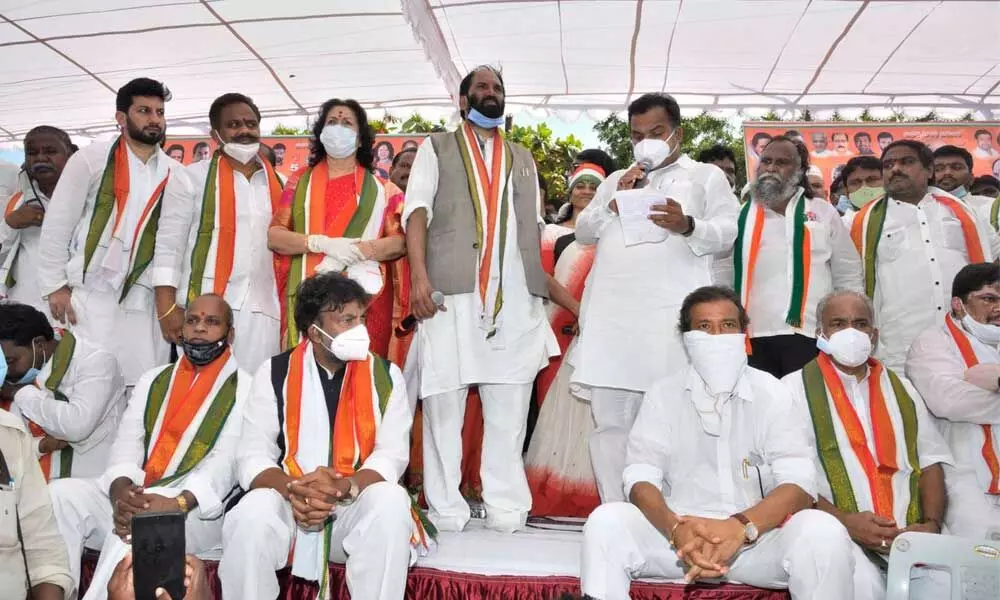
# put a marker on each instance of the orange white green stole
(7, 279)
(186, 410)
(989, 450)
(214, 250)
(866, 232)
(888, 479)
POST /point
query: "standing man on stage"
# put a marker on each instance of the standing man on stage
(98, 263)
(232, 199)
(628, 325)
(473, 233)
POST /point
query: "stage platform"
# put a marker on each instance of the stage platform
(541, 562)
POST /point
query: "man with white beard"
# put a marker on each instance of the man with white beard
(790, 251)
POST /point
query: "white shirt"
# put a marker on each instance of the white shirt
(631, 302)
(95, 390)
(25, 266)
(212, 479)
(251, 284)
(920, 252)
(454, 351)
(8, 178)
(931, 447)
(834, 265)
(261, 429)
(990, 153)
(64, 231)
(708, 476)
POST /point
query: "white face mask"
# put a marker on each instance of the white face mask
(718, 359)
(349, 345)
(984, 332)
(339, 141)
(651, 152)
(241, 153)
(849, 347)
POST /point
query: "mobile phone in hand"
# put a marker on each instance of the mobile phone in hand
(158, 554)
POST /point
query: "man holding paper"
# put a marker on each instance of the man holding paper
(656, 227)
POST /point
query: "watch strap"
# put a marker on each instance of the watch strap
(742, 518)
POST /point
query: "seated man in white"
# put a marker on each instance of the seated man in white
(879, 455)
(955, 366)
(716, 461)
(173, 452)
(325, 440)
(71, 392)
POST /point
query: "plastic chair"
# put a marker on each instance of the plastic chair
(974, 564)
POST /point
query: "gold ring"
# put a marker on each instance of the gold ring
(884, 544)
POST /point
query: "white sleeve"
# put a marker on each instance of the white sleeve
(176, 214)
(845, 262)
(7, 233)
(258, 447)
(931, 447)
(647, 450)
(793, 383)
(423, 183)
(787, 446)
(938, 373)
(97, 383)
(715, 231)
(65, 211)
(127, 455)
(392, 442)
(592, 220)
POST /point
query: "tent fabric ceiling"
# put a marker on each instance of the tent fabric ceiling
(61, 60)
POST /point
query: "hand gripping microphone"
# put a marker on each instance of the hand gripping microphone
(643, 180)
(410, 321)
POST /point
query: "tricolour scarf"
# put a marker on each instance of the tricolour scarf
(216, 235)
(990, 459)
(887, 481)
(748, 238)
(57, 464)
(995, 214)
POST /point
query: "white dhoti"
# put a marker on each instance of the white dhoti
(257, 337)
(372, 536)
(83, 513)
(971, 512)
(811, 555)
(614, 413)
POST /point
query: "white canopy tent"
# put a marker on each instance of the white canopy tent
(62, 60)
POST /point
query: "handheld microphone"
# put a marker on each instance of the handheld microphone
(642, 181)
(410, 321)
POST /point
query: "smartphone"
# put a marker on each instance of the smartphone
(158, 554)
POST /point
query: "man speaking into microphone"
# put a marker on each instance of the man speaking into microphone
(629, 314)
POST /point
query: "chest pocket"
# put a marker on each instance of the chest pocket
(893, 243)
(819, 237)
(8, 523)
(954, 239)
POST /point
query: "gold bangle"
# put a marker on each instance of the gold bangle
(166, 314)
(182, 503)
(672, 530)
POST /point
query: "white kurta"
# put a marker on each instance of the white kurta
(834, 265)
(920, 252)
(454, 351)
(631, 302)
(89, 419)
(25, 265)
(8, 178)
(931, 448)
(128, 328)
(251, 291)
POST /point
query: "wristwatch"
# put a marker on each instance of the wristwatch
(352, 494)
(750, 532)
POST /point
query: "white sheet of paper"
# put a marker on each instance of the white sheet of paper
(633, 213)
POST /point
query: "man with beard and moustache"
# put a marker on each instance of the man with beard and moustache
(173, 451)
(399, 173)
(953, 174)
(100, 259)
(230, 201)
(472, 219)
(791, 250)
(46, 150)
(912, 242)
(628, 314)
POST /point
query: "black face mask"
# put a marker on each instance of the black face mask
(200, 354)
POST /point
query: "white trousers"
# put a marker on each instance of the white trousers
(256, 338)
(614, 413)
(505, 487)
(811, 555)
(372, 536)
(83, 514)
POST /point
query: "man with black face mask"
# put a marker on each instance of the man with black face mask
(172, 453)
(228, 208)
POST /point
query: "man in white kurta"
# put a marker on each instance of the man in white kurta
(97, 260)
(71, 391)
(628, 315)
(956, 367)
(250, 287)
(718, 452)
(465, 344)
(179, 460)
(791, 251)
(873, 516)
(923, 244)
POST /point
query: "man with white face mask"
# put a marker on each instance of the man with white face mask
(791, 250)
(956, 367)
(325, 440)
(879, 456)
(230, 203)
(628, 315)
(717, 460)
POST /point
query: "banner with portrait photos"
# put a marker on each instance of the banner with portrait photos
(831, 145)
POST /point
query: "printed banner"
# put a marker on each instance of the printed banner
(831, 145)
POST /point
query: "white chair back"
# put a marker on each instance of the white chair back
(974, 564)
